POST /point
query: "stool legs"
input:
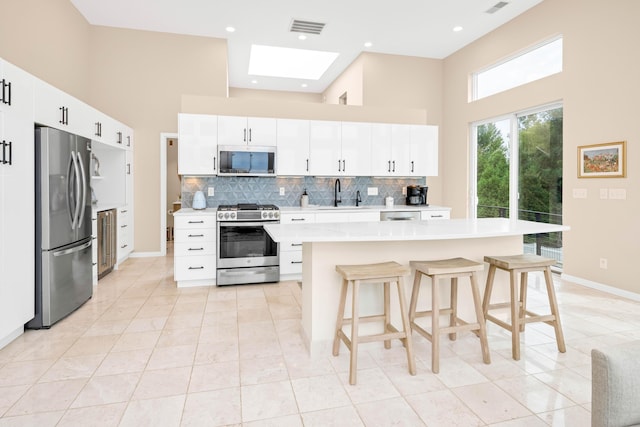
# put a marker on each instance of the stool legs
(554, 310)
(455, 323)
(518, 306)
(389, 330)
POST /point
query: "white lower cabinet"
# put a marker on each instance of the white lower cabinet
(291, 252)
(444, 214)
(194, 250)
(124, 221)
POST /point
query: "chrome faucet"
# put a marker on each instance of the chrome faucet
(336, 190)
(358, 198)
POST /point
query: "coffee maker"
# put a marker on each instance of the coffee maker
(416, 195)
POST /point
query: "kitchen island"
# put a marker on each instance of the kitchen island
(329, 244)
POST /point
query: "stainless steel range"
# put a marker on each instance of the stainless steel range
(246, 253)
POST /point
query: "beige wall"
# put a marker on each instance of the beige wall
(599, 89)
(138, 77)
(235, 92)
(49, 39)
(349, 82)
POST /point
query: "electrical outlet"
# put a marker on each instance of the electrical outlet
(372, 191)
(579, 193)
(604, 194)
(404, 191)
(603, 263)
(282, 191)
(210, 192)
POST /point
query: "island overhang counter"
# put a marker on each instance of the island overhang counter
(326, 245)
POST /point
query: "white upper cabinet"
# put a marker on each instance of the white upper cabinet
(293, 147)
(60, 110)
(325, 148)
(235, 130)
(356, 149)
(404, 150)
(198, 146)
(424, 150)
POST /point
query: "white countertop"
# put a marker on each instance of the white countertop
(447, 229)
(191, 211)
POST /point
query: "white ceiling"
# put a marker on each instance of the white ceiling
(403, 27)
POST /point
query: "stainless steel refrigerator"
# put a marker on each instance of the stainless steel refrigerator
(63, 225)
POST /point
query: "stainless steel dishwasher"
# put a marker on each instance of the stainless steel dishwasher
(399, 215)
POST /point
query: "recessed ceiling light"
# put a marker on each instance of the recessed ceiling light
(302, 37)
(289, 63)
(368, 44)
(255, 82)
(230, 29)
(457, 28)
(304, 85)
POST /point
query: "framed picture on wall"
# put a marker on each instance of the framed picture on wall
(603, 160)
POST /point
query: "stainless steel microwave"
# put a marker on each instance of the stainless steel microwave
(246, 160)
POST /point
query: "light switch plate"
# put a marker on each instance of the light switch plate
(372, 191)
(617, 193)
(579, 193)
(210, 192)
(282, 191)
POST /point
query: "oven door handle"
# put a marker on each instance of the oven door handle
(245, 224)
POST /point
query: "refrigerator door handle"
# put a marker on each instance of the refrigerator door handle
(72, 250)
(83, 181)
(69, 190)
(76, 215)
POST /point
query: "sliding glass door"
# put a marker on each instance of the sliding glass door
(517, 173)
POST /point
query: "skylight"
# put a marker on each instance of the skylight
(289, 63)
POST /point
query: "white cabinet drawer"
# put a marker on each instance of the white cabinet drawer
(364, 216)
(296, 218)
(194, 248)
(291, 262)
(327, 217)
(194, 235)
(194, 221)
(290, 246)
(434, 215)
(194, 267)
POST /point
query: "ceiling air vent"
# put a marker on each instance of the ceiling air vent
(306, 27)
(496, 7)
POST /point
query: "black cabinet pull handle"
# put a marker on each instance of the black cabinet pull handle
(4, 152)
(307, 165)
(297, 219)
(411, 166)
(2, 82)
(128, 140)
(196, 222)
(296, 244)
(338, 165)
(6, 92)
(389, 166)
(394, 166)
(344, 165)
(244, 138)
(196, 235)
(249, 134)
(119, 137)
(128, 168)
(97, 129)
(196, 249)
(65, 115)
(9, 86)
(296, 262)
(10, 153)
(215, 161)
(196, 268)
(124, 226)
(61, 115)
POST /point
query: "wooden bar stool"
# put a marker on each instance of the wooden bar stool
(447, 269)
(356, 275)
(522, 265)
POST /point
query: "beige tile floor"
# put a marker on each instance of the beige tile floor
(142, 352)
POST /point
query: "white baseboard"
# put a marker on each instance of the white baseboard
(599, 286)
(145, 254)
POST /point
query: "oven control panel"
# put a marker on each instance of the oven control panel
(249, 213)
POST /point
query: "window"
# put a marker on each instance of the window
(541, 61)
(517, 173)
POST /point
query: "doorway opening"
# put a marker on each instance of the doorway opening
(169, 181)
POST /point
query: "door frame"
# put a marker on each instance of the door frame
(164, 140)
